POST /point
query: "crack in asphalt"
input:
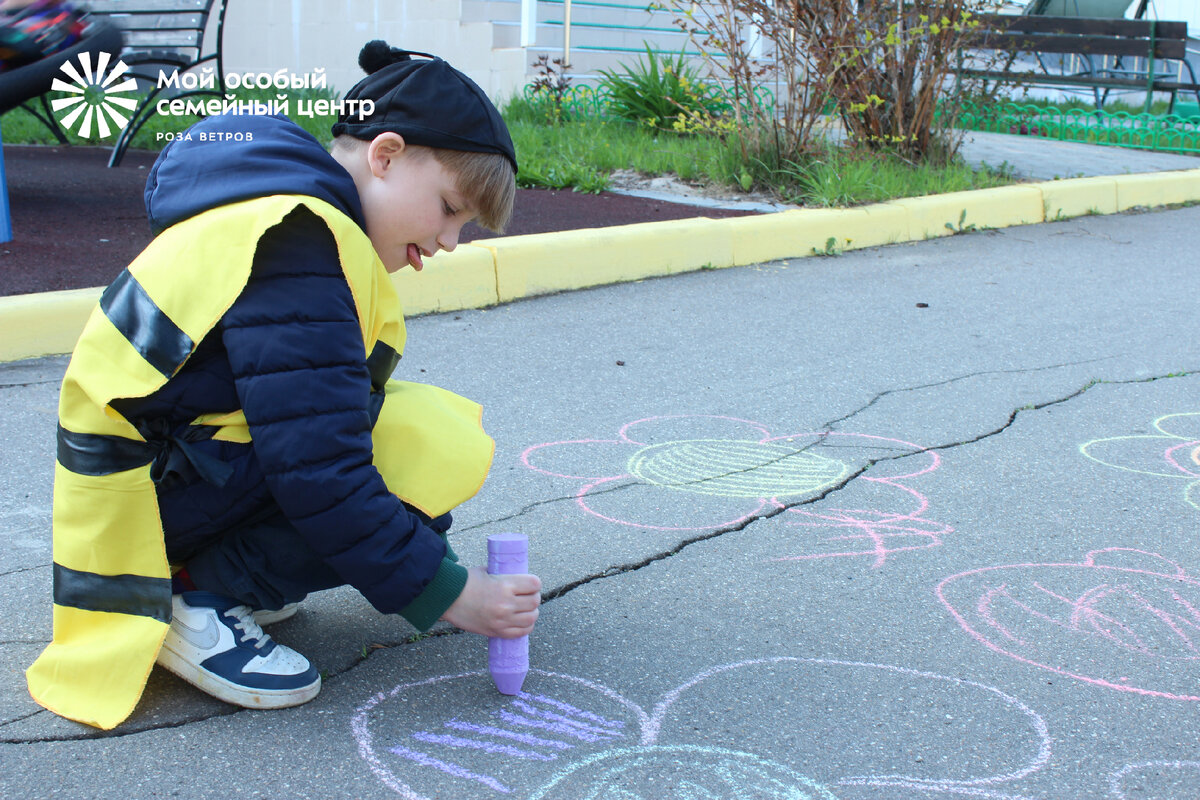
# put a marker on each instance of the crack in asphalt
(827, 428)
(54, 381)
(23, 569)
(622, 569)
(956, 379)
(23, 716)
(531, 507)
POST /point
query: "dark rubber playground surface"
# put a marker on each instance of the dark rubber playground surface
(77, 223)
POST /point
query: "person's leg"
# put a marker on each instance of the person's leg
(264, 563)
(215, 642)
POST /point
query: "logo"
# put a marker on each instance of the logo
(94, 96)
(204, 638)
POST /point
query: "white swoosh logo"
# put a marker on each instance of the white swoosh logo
(205, 638)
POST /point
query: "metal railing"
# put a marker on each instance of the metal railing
(529, 23)
(1170, 133)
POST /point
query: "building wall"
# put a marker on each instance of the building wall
(304, 35)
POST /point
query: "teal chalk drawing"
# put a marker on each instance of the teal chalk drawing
(1174, 452)
(570, 738)
(711, 772)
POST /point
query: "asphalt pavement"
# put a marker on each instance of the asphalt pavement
(909, 522)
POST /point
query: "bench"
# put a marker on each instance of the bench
(162, 35)
(1092, 40)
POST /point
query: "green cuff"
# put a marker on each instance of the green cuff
(447, 584)
(450, 554)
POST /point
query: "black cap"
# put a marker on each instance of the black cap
(426, 101)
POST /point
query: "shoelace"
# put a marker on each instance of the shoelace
(249, 628)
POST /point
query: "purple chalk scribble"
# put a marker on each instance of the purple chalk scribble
(570, 709)
(528, 709)
(476, 744)
(554, 727)
(449, 768)
(524, 738)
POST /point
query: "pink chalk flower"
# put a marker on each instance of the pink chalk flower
(703, 472)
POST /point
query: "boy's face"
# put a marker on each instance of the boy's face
(411, 203)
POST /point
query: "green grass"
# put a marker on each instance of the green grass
(843, 177)
(580, 154)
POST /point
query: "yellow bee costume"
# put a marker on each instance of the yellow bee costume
(112, 581)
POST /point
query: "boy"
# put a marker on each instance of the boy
(228, 410)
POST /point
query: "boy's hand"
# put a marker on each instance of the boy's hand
(496, 605)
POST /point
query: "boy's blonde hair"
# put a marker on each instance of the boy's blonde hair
(485, 180)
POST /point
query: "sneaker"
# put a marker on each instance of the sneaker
(215, 645)
(269, 616)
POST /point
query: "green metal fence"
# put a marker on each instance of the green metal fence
(1178, 133)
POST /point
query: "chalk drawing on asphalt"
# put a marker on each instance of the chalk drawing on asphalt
(700, 472)
(773, 728)
(1163, 780)
(1173, 452)
(1123, 619)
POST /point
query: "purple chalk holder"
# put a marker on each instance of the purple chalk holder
(508, 659)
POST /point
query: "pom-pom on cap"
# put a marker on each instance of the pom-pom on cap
(377, 54)
(426, 101)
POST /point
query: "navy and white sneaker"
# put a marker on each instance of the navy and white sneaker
(215, 645)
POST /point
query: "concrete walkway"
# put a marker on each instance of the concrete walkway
(910, 522)
(1046, 160)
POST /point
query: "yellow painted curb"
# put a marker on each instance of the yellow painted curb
(44, 324)
(1077, 197)
(492, 271)
(465, 278)
(946, 214)
(1157, 189)
(553, 262)
(790, 234)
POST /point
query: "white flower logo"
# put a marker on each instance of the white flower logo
(95, 96)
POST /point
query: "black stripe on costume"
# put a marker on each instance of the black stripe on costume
(151, 332)
(120, 594)
(381, 364)
(100, 454)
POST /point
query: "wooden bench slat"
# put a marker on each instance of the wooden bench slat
(1086, 37)
(1129, 28)
(1102, 81)
(107, 7)
(1084, 45)
(139, 40)
(158, 22)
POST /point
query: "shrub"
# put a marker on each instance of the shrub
(882, 65)
(661, 91)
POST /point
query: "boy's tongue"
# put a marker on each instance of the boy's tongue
(414, 257)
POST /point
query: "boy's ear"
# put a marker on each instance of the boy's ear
(383, 149)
